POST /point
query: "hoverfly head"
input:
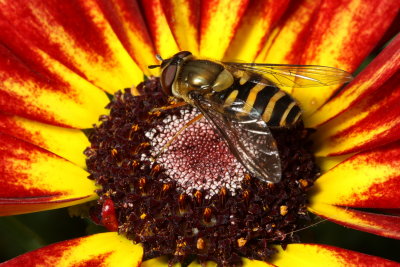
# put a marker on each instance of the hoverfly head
(170, 68)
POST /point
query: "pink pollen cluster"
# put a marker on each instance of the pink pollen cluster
(198, 158)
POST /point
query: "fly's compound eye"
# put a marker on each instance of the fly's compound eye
(168, 77)
(169, 69)
(183, 54)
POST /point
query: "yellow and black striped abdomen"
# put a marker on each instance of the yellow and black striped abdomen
(277, 108)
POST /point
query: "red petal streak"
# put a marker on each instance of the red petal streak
(161, 33)
(105, 249)
(365, 180)
(344, 42)
(46, 96)
(219, 22)
(126, 19)
(390, 33)
(373, 122)
(286, 42)
(73, 33)
(378, 224)
(342, 35)
(32, 180)
(260, 17)
(15, 206)
(50, 255)
(183, 18)
(372, 78)
(65, 142)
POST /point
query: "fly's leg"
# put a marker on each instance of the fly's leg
(172, 106)
(183, 128)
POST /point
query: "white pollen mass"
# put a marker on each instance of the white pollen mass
(198, 158)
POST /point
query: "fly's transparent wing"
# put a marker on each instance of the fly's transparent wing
(246, 134)
(296, 75)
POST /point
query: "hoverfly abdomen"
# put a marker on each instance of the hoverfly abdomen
(278, 107)
(275, 106)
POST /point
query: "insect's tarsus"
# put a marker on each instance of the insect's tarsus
(153, 66)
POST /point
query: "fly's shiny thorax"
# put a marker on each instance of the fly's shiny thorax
(203, 76)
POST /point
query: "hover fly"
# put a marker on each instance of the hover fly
(243, 100)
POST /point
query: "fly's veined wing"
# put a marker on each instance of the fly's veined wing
(296, 75)
(246, 134)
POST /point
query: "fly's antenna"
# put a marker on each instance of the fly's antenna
(159, 58)
(153, 66)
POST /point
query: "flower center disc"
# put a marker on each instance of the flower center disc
(180, 192)
(195, 157)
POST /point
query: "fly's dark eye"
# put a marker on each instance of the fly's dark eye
(165, 63)
(169, 68)
(168, 77)
(183, 54)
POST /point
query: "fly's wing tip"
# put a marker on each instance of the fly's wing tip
(276, 179)
(273, 174)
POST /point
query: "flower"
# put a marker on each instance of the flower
(60, 57)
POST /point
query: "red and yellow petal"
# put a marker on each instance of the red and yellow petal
(218, 26)
(378, 224)
(160, 31)
(183, 17)
(327, 33)
(255, 263)
(258, 20)
(372, 122)
(372, 78)
(157, 262)
(327, 163)
(365, 180)
(127, 22)
(34, 179)
(74, 34)
(246, 263)
(60, 97)
(323, 255)
(345, 32)
(336, 40)
(64, 142)
(286, 42)
(105, 249)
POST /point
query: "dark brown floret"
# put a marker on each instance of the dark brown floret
(222, 227)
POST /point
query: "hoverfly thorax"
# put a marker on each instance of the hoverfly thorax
(182, 74)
